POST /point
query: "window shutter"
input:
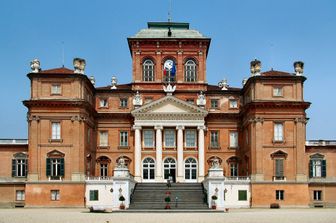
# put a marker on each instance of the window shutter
(62, 167)
(48, 167)
(311, 168)
(26, 170)
(324, 168)
(279, 168)
(14, 168)
(91, 195)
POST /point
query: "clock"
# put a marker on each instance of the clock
(168, 65)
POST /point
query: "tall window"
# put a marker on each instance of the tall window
(56, 130)
(148, 70)
(19, 165)
(279, 169)
(190, 169)
(123, 138)
(56, 89)
(234, 169)
(148, 169)
(190, 135)
(148, 136)
(233, 139)
(214, 103)
(103, 169)
(169, 137)
(20, 195)
(103, 103)
(317, 166)
(278, 132)
(55, 167)
(190, 71)
(279, 195)
(103, 138)
(317, 195)
(214, 139)
(169, 166)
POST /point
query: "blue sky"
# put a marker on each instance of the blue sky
(275, 32)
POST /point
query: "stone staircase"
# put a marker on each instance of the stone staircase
(151, 196)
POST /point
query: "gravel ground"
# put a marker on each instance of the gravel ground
(60, 215)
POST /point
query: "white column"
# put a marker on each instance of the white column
(158, 145)
(201, 153)
(180, 166)
(137, 153)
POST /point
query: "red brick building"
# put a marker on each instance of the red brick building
(168, 121)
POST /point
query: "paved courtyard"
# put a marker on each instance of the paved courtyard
(58, 215)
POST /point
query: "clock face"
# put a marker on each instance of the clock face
(168, 65)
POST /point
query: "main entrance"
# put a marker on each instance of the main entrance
(169, 166)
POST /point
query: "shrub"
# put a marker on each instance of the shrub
(167, 199)
(121, 198)
(274, 205)
(214, 197)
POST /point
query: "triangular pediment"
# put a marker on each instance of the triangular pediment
(169, 105)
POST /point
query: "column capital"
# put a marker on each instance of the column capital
(158, 127)
(137, 127)
(180, 127)
(201, 127)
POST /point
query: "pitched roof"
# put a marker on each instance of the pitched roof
(60, 70)
(119, 87)
(216, 88)
(272, 72)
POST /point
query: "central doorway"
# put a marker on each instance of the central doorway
(169, 166)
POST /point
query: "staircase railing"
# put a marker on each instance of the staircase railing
(132, 194)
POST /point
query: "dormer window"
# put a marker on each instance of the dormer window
(190, 71)
(148, 70)
(56, 89)
(233, 103)
(103, 103)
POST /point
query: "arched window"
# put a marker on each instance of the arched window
(103, 164)
(190, 71)
(148, 169)
(169, 166)
(148, 70)
(233, 164)
(190, 169)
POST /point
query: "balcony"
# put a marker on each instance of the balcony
(321, 143)
(247, 179)
(279, 178)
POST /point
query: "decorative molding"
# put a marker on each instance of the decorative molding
(256, 120)
(33, 118)
(135, 127)
(301, 120)
(158, 127)
(78, 118)
(180, 127)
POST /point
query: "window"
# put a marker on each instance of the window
(55, 195)
(278, 132)
(20, 166)
(169, 166)
(317, 167)
(242, 195)
(103, 103)
(56, 89)
(94, 195)
(20, 195)
(190, 71)
(280, 195)
(169, 137)
(233, 139)
(190, 169)
(148, 136)
(148, 168)
(277, 91)
(233, 103)
(103, 138)
(55, 167)
(214, 103)
(148, 70)
(190, 138)
(317, 195)
(56, 130)
(103, 170)
(234, 169)
(190, 100)
(279, 169)
(123, 102)
(214, 139)
(123, 138)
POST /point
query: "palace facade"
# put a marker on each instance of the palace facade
(168, 122)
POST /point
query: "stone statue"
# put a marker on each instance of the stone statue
(122, 163)
(35, 66)
(223, 84)
(298, 67)
(201, 101)
(114, 82)
(137, 100)
(79, 65)
(215, 163)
